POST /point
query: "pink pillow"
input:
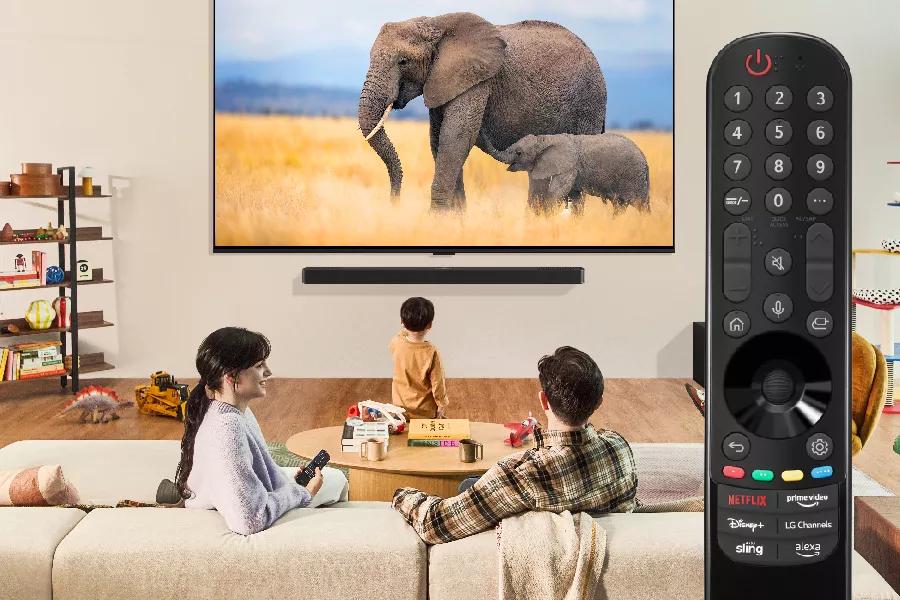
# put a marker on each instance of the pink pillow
(36, 486)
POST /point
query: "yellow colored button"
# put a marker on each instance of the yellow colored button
(792, 475)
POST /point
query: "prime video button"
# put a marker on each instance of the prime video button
(808, 500)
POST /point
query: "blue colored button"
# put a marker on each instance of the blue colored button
(822, 472)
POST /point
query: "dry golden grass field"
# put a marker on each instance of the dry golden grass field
(305, 181)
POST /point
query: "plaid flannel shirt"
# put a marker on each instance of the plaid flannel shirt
(582, 470)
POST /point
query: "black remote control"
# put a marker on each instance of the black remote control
(778, 512)
(309, 471)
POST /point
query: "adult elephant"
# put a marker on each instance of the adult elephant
(483, 83)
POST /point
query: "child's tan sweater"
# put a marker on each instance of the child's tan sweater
(418, 384)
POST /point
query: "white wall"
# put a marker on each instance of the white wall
(125, 87)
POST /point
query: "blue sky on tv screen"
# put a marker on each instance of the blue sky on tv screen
(308, 57)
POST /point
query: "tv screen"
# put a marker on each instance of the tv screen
(485, 126)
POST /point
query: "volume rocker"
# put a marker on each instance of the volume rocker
(736, 252)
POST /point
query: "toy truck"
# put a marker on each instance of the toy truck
(163, 396)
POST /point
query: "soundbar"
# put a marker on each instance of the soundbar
(443, 275)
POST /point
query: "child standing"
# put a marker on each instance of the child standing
(418, 384)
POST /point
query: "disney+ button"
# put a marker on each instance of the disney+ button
(749, 525)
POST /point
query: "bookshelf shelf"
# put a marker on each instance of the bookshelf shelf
(67, 259)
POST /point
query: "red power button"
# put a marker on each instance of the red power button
(758, 64)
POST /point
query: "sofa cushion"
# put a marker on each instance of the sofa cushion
(648, 556)
(107, 471)
(170, 553)
(28, 540)
(42, 485)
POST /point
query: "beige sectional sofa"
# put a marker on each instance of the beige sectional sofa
(352, 550)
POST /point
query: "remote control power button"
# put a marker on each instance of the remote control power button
(819, 446)
(736, 446)
(778, 261)
(819, 323)
(757, 63)
(778, 309)
(736, 324)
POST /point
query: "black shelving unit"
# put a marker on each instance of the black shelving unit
(93, 319)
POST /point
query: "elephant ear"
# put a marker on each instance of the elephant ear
(554, 159)
(470, 51)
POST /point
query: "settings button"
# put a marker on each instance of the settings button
(819, 446)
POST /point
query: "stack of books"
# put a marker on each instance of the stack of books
(438, 433)
(24, 279)
(31, 360)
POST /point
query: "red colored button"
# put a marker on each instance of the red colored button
(733, 472)
(758, 64)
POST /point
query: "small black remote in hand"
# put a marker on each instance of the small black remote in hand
(778, 510)
(309, 471)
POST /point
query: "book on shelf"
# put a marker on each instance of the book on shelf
(30, 360)
(439, 429)
(434, 443)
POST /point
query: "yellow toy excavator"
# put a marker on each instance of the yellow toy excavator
(164, 396)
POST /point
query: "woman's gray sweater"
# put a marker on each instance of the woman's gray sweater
(234, 473)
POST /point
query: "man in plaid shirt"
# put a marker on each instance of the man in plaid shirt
(574, 467)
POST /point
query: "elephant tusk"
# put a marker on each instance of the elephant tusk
(380, 124)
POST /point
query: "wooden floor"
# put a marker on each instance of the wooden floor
(642, 410)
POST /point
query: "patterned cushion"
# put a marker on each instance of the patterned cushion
(878, 296)
(891, 245)
(36, 486)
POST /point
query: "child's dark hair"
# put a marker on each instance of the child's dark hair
(573, 384)
(417, 313)
(225, 351)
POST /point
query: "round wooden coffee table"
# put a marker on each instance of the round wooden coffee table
(433, 470)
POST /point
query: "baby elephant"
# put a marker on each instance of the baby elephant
(564, 166)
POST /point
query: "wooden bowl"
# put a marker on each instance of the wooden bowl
(35, 185)
(37, 169)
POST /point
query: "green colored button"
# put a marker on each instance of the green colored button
(763, 475)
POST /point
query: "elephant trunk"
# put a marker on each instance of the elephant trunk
(373, 112)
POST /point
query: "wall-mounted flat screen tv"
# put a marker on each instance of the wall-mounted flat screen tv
(480, 126)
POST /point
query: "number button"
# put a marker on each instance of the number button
(779, 132)
(778, 201)
(820, 201)
(737, 167)
(778, 166)
(737, 132)
(779, 97)
(819, 133)
(820, 98)
(819, 167)
(738, 98)
(737, 201)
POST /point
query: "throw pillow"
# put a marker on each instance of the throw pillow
(43, 485)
